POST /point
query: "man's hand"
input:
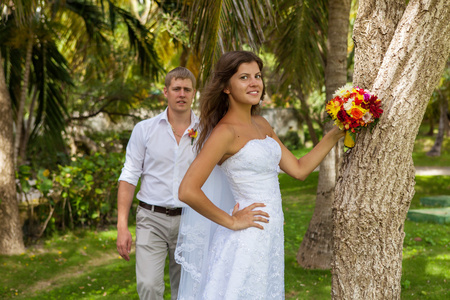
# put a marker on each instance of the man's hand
(124, 241)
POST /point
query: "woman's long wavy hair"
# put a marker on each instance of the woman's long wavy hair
(213, 100)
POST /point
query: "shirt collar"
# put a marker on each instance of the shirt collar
(195, 121)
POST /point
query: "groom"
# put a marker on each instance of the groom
(159, 152)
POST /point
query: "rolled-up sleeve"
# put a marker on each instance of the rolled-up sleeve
(135, 156)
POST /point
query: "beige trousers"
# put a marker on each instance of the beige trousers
(156, 235)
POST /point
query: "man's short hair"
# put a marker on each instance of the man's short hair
(180, 73)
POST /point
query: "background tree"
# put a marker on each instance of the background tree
(315, 251)
(443, 96)
(377, 183)
(11, 241)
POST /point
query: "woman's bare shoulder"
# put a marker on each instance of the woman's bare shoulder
(223, 130)
(263, 124)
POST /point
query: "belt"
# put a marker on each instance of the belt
(168, 211)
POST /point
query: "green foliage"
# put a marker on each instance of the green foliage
(89, 185)
(82, 193)
(291, 140)
(24, 174)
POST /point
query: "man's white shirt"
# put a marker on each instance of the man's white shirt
(154, 155)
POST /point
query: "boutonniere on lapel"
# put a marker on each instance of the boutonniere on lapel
(192, 134)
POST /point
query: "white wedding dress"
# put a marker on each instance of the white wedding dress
(244, 264)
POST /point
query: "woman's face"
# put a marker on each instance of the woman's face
(246, 85)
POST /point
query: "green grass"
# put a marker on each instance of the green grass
(85, 264)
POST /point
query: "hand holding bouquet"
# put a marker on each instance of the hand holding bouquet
(352, 109)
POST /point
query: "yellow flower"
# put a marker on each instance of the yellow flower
(192, 134)
(333, 108)
(46, 173)
(339, 124)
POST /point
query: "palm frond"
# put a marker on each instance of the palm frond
(92, 16)
(23, 10)
(51, 74)
(224, 25)
(299, 43)
(142, 41)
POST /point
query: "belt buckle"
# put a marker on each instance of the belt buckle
(168, 211)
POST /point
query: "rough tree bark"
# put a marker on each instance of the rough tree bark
(11, 240)
(316, 248)
(374, 28)
(377, 183)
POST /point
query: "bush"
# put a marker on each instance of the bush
(81, 194)
(291, 140)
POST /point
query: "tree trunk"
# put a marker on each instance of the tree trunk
(374, 28)
(316, 248)
(377, 183)
(305, 114)
(431, 129)
(22, 100)
(11, 241)
(443, 120)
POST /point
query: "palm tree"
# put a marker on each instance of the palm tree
(316, 248)
(37, 72)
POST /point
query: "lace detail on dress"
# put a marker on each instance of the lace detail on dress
(249, 264)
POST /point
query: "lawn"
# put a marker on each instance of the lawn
(85, 265)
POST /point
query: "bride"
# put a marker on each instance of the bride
(241, 254)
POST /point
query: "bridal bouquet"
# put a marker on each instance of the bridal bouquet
(353, 108)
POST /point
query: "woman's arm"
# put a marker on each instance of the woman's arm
(190, 192)
(301, 168)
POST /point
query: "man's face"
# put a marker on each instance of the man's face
(179, 94)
